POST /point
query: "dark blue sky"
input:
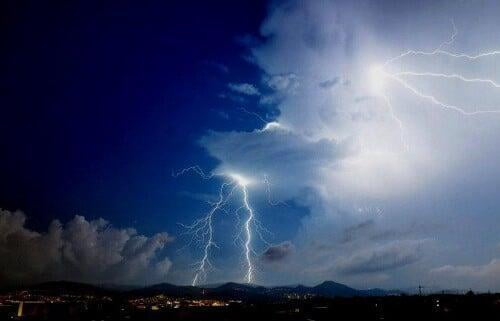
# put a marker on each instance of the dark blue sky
(100, 102)
(388, 162)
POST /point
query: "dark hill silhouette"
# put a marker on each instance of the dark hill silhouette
(334, 289)
(230, 290)
(68, 287)
(169, 289)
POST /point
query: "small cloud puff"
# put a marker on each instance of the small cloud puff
(278, 253)
(244, 88)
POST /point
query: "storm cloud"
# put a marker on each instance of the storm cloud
(336, 139)
(484, 276)
(80, 250)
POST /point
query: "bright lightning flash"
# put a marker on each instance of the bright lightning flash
(239, 179)
(377, 78)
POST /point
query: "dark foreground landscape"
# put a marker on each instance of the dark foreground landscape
(232, 301)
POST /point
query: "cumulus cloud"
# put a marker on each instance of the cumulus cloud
(278, 253)
(233, 97)
(244, 88)
(80, 250)
(282, 82)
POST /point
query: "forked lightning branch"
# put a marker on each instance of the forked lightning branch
(381, 74)
(202, 231)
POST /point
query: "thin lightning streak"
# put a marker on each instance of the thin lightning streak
(397, 120)
(452, 38)
(440, 103)
(237, 236)
(398, 77)
(447, 76)
(248, 241)
(377, 75)
(436, 51)
(269, 196)
(444, 53)
(205, 261)
(259, 229)
(259, 117)
(197, 169)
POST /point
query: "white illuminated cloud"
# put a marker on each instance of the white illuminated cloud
(272, 126)
(377, 78)
(347, 146)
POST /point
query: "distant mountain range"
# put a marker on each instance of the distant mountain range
(231, 290)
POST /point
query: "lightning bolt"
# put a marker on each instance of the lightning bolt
(448, 76)
(269, 194)
(203, 230)
(397, 120)
(248, 240)
(259, 117)
(205, 226)
(436, 51)
(381, 73)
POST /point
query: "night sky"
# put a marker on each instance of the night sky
(359, 170)
(101, 103)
